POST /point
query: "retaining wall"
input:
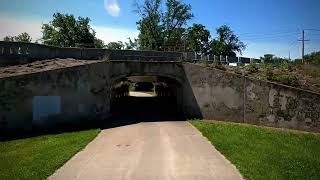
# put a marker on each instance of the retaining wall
(226, 96)
(13, 53)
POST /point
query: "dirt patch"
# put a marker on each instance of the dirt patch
(40, 66)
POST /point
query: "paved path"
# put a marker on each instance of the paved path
(140, 94)
(149, 151)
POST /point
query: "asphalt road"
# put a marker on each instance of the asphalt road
(149, 151)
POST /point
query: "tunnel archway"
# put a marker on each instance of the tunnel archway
(162, 100)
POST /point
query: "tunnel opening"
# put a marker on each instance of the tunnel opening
(145, 99)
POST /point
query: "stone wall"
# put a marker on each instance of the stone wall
(70, 95)
(12, 53)
(73, 94)
(220, 95)
(60, 96)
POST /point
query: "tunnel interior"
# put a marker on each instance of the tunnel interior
(146, 98)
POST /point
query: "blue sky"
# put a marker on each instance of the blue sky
(266, 26)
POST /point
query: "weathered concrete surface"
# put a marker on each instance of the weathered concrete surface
(12, 53)
(78, 93)
(153, 150)
(226, 96)
(84, 92)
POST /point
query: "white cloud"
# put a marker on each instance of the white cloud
(112, 7)
(11, 26)
(108, 34)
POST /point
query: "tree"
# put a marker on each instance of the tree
(150, 36)
(115, 45)
(23, 37)
(197, 38)
(313, 58)
(98, 43)
(272, 59)
(67, 31)
(8, 39)
(227, 43)
(176, 16)
(131, 45)
(157, 27)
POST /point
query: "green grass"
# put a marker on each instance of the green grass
(38, 157)
(265, 153)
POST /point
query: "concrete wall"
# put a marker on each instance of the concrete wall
(69, 95)
(12, 53)
(226, 96)
(78, 93)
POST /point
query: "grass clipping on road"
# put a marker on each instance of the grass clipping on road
(38, 157)
(265, 153)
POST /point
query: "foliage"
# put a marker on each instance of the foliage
(313, 58)
(150, 27)
(252, 68)
(131, 45)
(67, 31)
(265, 153)
(38, 157)
(218, 65)
(197, 38)
(23, 37)
(98, 43)
(157, 27)
(227, 43)
(284, 78)
(272, 59)
(115, 45)
(176, 16)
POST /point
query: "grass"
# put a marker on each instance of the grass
(265, 153)
(38, 157)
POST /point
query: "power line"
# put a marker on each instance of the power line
(274, 37)
(267, 34)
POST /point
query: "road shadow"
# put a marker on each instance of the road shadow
(125, 111)
(131, 110)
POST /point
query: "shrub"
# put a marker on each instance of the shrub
(287, 79)
(218, 65)
(252, 68)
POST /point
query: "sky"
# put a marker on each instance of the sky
(265, 26)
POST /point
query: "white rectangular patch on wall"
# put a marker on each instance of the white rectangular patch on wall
(45, 106)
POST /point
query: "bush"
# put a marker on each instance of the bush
(287, 79)
(218, 65)
(252, 68)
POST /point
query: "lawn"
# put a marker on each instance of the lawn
(265, 153)
(38, 157)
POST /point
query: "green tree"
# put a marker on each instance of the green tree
(157, 27)
(150, 36)
(272, 59)
(227, 43)
(67, 31)
(8, 39)
(313, 58)
(131, 45)
(98, 43)
(197, 38)
(115, 45)
(23, 37)
(176, 16)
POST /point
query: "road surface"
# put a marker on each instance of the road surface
(149, 151)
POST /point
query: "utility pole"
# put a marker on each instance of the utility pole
(302, 45)
(289, 56)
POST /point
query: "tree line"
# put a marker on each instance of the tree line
(157, 28)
